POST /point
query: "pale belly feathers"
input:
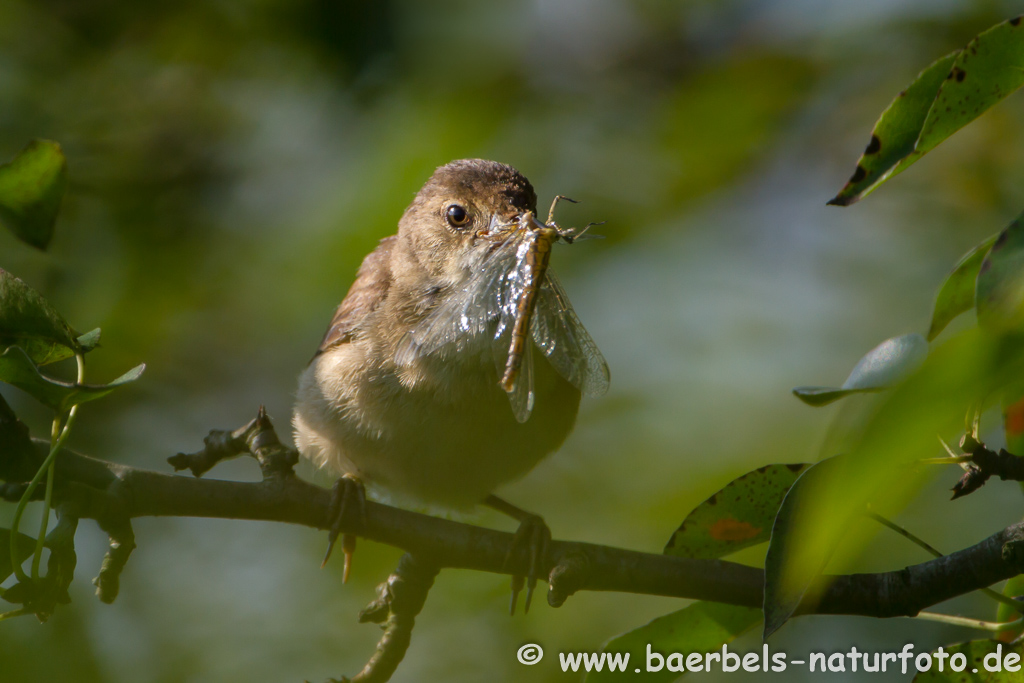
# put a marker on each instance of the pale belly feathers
(441, 432)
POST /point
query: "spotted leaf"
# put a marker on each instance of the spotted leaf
(944, 98)
(738, 516)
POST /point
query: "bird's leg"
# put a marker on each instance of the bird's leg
(532, 533)
(348, 510)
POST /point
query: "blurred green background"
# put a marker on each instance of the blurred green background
(232, 162)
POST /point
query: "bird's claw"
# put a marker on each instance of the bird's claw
(348, 511)
(534, 535)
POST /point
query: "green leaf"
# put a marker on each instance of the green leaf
(90, 340)
(31, 188)
(738, 516)
(896, 133)
(791, 565)
(1014, 588)
(701, 627)
(29, 321)
(86, 343)
(975, 669)
(26, 545)
(880, 368)
(17, 369)
(986, 71)
(978, 77)
(880, 464)
(956, 295)
(999, 296)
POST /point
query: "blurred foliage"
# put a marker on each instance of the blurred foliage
(230, 165)
(31, 188)
(879, 368)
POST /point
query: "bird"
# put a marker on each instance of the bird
(406, 398)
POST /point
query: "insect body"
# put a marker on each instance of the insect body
(513, 297)
(534, 255)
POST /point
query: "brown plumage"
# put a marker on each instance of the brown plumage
(439, 429)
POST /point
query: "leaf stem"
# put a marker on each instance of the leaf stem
(953, 457)
(45, 468)
(904, 533)
(952, 460)
(14, 613)
(44, 518)
(996, 626)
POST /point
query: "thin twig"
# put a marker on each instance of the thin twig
(995, 626)
(399, 600)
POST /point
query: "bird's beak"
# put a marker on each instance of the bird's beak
(500, 227)
(529, 220)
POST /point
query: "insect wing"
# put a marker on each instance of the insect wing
(566, 343)
(521, 396)
(478, 305)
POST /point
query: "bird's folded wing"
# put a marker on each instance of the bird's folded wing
(368, 290)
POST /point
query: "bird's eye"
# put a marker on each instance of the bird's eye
(457, 216)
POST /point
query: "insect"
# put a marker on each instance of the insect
(512, 295)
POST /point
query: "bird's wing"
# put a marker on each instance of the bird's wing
(365, 294)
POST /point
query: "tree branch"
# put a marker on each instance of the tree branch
(113, 494)
(986, 463)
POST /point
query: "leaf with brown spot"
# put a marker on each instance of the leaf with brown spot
(944, 98)
(729, 529)
(989, 69)
(896, 133)
(737, 517)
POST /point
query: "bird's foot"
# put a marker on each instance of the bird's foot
(348, 510)
(533, 536)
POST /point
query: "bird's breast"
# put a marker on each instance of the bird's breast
(440, 430)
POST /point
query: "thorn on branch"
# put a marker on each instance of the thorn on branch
(122, 543)
(257, 438)
(399, 600)
(986, 463)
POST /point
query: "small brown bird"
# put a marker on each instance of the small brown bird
(405, 393)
